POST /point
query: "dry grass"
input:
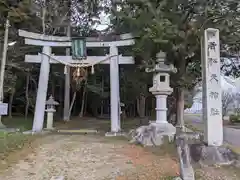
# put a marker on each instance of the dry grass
(12, 141)
(13, 147)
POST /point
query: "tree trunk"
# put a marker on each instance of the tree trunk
(153, 111)
(27, 95)
(44, 17)
(134, 109)
(11, 102)
(72, 103)
(141, 101)
(61, 97)
(224, 111)
(172, 108)
(85, 109)
(67, 84)
(180, 107)
(83, 99)
(53, 87)
(102, 86)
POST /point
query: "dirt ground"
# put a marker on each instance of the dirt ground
(86, 157)
(95, 157)
(217, 173)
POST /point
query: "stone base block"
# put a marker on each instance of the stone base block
(165, 129)
(212, 155)
(77, 131)
(30, 132)
(197, 152)
(114, 134)
(153, 134)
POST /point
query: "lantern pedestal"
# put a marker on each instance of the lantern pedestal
(161, 125)
(50, 113)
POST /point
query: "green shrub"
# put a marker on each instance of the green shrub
(234, 118)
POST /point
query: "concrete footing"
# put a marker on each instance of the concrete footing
(114, 134)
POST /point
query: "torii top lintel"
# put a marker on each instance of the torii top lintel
(64, 41)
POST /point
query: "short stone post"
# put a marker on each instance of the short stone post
(186, 169)
(50, 112)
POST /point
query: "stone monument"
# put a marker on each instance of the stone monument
(212, 101)
(206, 149)
(153, 134)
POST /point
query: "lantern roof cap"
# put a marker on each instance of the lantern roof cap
(51, 101)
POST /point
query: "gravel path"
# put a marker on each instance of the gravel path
(79, 157)
(214, 173)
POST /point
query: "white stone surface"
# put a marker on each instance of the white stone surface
(161, 86)
(3, 108)
(50, 113)
(114, 90)
(161, 89)
(212, 101)
(115, 134)
(42, 91)
(153, 134)
(68, 59)
(36, 42)
(161, 108)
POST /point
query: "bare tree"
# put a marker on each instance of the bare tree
(228, 99)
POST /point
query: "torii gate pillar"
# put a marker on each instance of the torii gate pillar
(42, 91)
(114, 95)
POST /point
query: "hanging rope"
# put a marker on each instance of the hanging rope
(80, 73)
(78, 62)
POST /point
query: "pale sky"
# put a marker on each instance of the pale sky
(105, 22)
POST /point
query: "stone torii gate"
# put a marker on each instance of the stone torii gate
(46, 58)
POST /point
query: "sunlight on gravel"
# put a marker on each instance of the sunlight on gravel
(79, 157)
(75, 157)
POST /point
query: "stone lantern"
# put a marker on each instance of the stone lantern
(161, 89)
(50, 103)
